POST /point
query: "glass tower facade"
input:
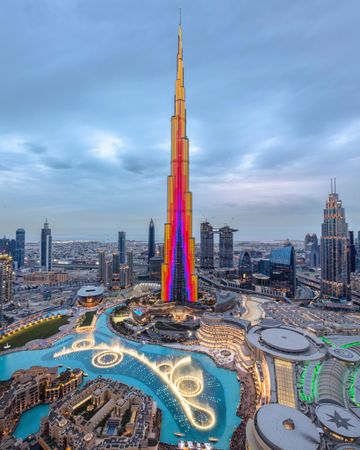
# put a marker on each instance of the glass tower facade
(335, 252)
(178, 280)
(151, 242)
(226, 246)
(46, 248)
(206, 246)
(20, 247)
(122, 246)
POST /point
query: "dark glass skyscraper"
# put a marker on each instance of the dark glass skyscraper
(8, 246)
(283, 270)
(20, 247)
(245, 269)
(312, 251)
(122, 246)
(46, 248)
(352, 252)
(206, 246)
(226, 245)
(335, 251)
(151, 241)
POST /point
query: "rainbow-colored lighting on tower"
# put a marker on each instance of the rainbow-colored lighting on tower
(178, 280)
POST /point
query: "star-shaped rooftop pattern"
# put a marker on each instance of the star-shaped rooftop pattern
(340, 422)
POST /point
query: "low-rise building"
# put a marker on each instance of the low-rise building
(28, 388)
(104, 414)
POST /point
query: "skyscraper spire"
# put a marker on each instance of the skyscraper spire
(179, 282)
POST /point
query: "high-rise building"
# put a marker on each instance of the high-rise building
(226, 246)
(312, 251)
(206, 246)
(245, 269)
(283, 270)
(161, 251)
(20, 247)
(124, 276)
(352, 252)
(358, 253)
(108, 274)
(335, 251)
(130, 263)
(102, 267)
(151, 242)
(115, 262)
(179, 282)
(6, 263)
(8, 246)
(122, 246)
(46, 248)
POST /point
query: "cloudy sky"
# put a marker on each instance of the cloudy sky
(86, 95)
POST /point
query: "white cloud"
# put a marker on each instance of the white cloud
(106, 146)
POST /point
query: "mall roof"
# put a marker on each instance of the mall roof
(339, 420)
(286, 342)
(90, 291)
(282, 427)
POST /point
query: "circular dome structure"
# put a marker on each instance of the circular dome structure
(285, 340)
(90, 296)
(338, 420)
(287, 428)
(344, 354)
(270, 323)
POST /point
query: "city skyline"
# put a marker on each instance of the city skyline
(287, 121)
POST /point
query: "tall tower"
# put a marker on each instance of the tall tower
(335, 251)
(122, 246)
(102, 267)
(20, 247)
(226, 246)
(151, 242)
(206, 246)
(178, 280)
(6, 264)
(46, 248)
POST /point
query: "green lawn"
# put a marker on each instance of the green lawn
(87, 319)
(41, 330)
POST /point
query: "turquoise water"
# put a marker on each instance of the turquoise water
(30, 421)
(222, 390)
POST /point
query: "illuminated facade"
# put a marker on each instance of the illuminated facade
(6, 274)
(178, 280)
(335, 251)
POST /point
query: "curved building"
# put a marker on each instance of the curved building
(90, 296)
(339, 422)
(278, 427)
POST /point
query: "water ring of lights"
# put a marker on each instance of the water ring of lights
(165, 367)
(107, 359)
(189, 386)
(201, 417)
(83, 344)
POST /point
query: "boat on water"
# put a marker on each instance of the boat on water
(213, 439)
(85, 374)
(179, 434)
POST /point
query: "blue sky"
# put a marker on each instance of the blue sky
(87, 93)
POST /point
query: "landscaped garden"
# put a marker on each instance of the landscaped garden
(39, 330)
